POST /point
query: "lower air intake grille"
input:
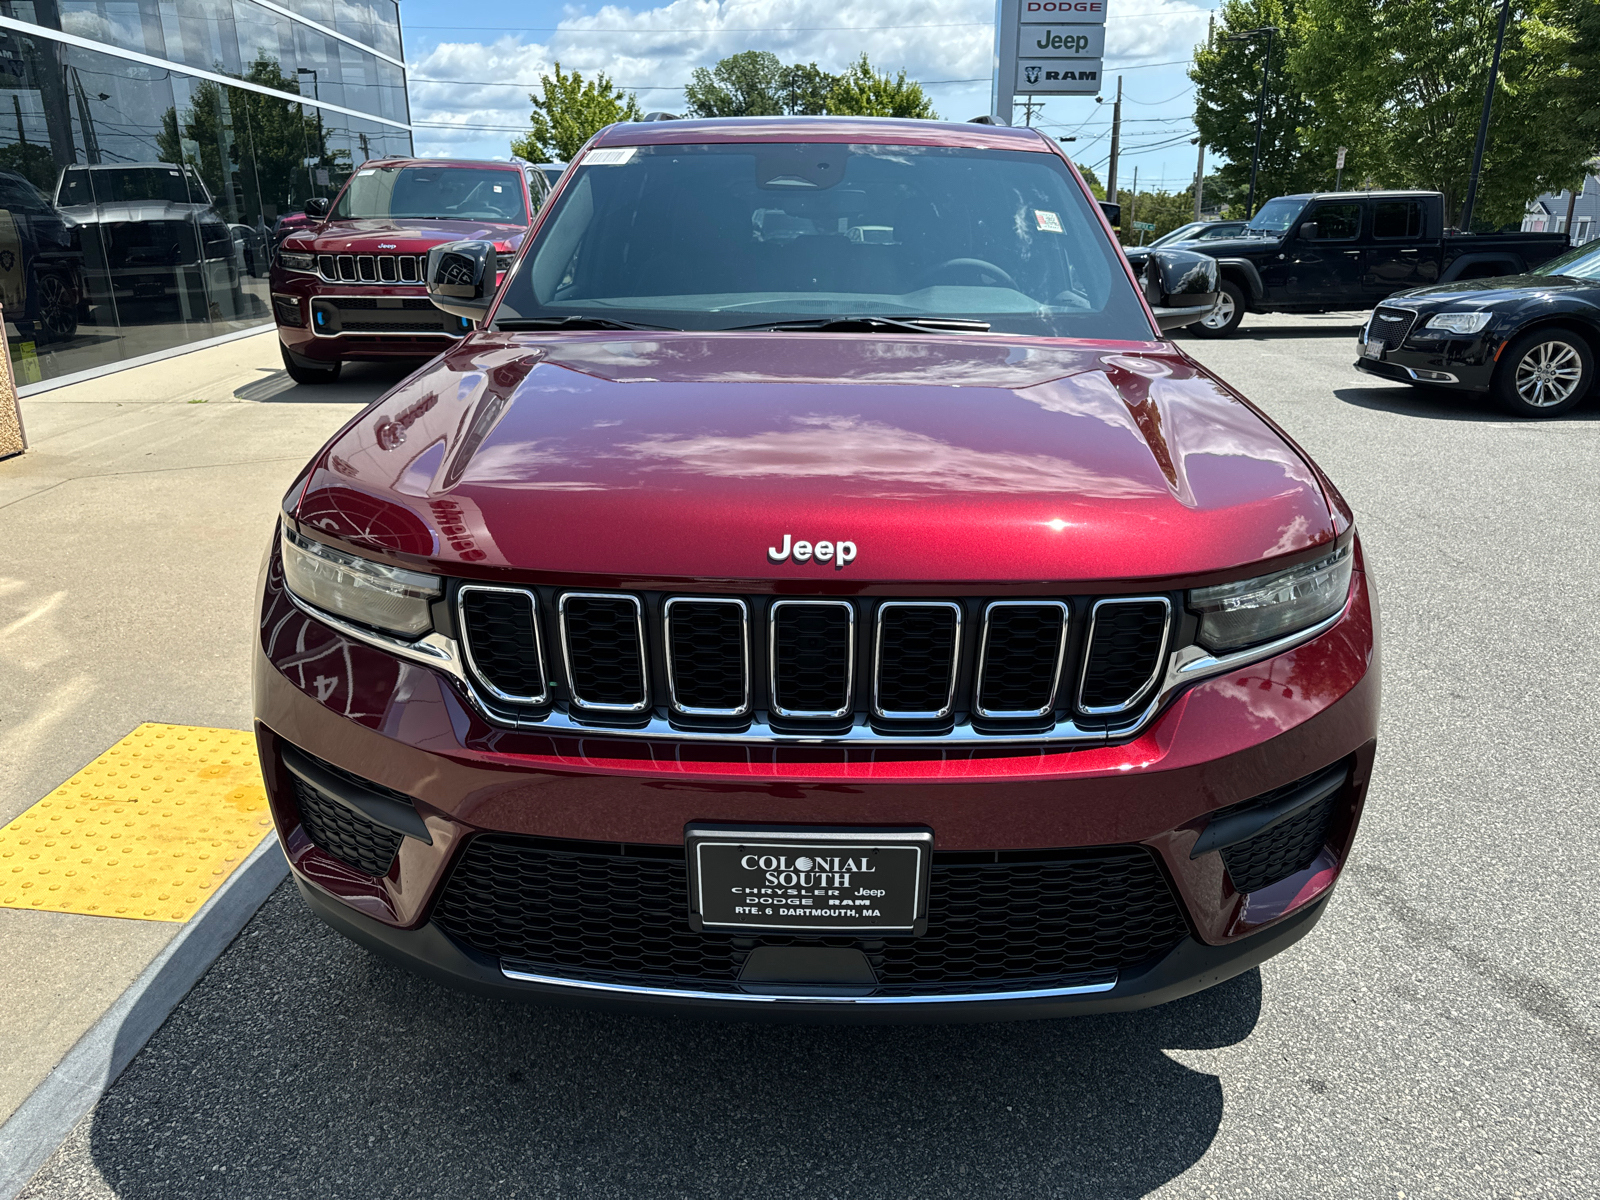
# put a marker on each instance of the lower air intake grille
(707, 653)
(347, 835)
(916, 659)
(813, 652)
(1126, 638)
(607, 913)
(1290, 846)
(502, 640)
(1022, 650)
(603, 640)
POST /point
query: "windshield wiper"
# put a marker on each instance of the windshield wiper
(513, 324)
(874, 325)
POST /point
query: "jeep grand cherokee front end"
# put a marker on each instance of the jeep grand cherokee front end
(818, 591)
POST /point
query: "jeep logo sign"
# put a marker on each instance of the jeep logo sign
(841, 554)
(1049, 48)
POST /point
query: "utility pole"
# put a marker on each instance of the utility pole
(1483, 125)
(1027, 111)
(1261, 105)
(1199, 177)
(1116, 145)
(1338, 170)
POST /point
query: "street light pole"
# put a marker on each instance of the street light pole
(1199, 177)
(1261, 106)
(1483, 124)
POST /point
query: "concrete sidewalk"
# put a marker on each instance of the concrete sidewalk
(130, 537)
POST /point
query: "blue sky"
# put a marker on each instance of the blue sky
(492, 50)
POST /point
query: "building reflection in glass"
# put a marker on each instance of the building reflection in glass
(138, 202)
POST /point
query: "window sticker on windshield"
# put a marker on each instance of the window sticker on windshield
(1048, 221)
(497, 188)
(367, 171)
(614, 156)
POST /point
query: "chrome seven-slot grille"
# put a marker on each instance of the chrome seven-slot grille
(370, 268)
(816, 663)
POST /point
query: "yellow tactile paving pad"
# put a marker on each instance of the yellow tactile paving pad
(148, 830)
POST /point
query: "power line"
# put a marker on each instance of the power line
(647, 87)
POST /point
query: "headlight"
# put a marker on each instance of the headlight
(293, 260)
(1257, 610)
(358, 589)
(1462, 322)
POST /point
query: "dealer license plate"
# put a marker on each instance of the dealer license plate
(1371, 349)
(809, 880)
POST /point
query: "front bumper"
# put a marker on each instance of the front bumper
(1218, 744)
(358, 321)
(1466, 363)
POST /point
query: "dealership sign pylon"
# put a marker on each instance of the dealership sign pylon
(1046, 48)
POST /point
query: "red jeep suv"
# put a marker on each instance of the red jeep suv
(817, 588)
(348, 285)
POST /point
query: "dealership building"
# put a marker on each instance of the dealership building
(148, 148)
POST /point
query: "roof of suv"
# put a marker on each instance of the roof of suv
(885, 130)
(440, 162)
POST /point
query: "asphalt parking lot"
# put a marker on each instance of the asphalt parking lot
(1438, 1034)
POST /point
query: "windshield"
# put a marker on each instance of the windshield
(128, 185)
(728, 236)
(1181, 233)
(1276, 215)
(440, 193)
(1582, 263)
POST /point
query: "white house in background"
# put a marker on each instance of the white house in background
(1548, 214)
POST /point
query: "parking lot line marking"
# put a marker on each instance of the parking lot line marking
(147, 831)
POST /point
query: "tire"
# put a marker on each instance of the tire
(308, 376)
(1229, 312)
(1544, 373)
(58, 308)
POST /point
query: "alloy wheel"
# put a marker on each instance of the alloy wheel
(56, 305)
(1219, 317)
(1549, 373)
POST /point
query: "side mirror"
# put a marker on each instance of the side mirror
(1181, 286)
(461, 278)
(1113, 212)
(318, 206)
(1309, 231)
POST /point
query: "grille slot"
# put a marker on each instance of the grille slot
(366, 268)
(608, 913)
(1287, 847)
(347, 835)
(1019, 662)
(915, 656)
(708, 656)
(500, 628)
(1390, 326)
(347, 267)
(387, 272)
(408, 270)
(1123, 661)
(327, 267)
(602, 639)
(813, 651)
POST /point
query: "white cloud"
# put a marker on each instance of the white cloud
(938, 40)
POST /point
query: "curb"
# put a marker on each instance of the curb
(72, 1089)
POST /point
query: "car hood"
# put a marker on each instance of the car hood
(687, 456)
(140, 210)
(334, 237)
(1483, 293)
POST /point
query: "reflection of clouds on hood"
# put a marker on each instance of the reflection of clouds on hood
(510, 462)
(850, 447)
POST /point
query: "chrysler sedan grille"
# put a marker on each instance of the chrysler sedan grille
(1390, 326)
(615, 914)
(1005, 665)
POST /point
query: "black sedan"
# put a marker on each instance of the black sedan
(1529, 340)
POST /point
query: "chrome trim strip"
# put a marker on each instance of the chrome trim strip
(877, 660)
(1426, 376)
(1082, 989)
(744, 652)
(467, 589)
(983, 651)
(1107, 710)
(772, 658)
(644, 651)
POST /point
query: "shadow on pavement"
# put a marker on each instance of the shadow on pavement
(302, 1066)
(1448, 404)
(358, 383)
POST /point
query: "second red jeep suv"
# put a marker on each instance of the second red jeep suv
(818, 588)
(349, 284)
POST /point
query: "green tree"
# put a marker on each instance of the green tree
(1402, 85)
(747, 84)
(862, 92)
(1227, 76)
(569, 112)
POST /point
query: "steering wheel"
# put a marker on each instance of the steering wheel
(974, 265)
